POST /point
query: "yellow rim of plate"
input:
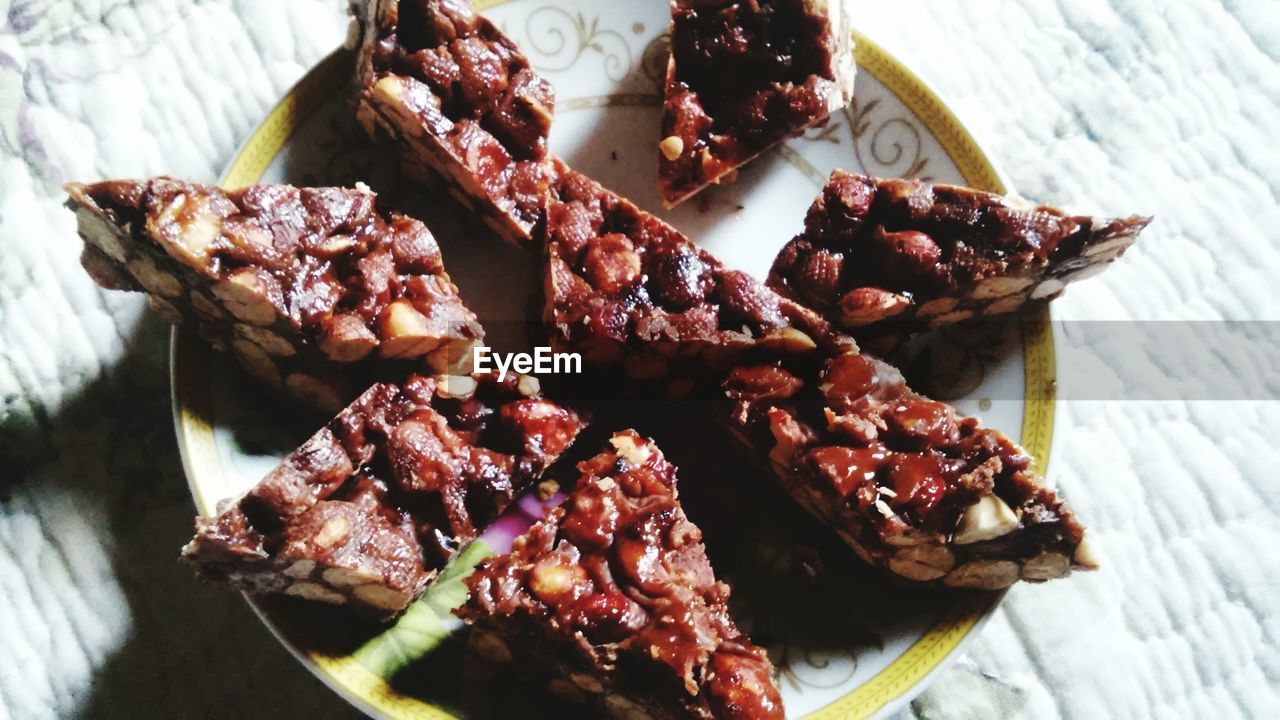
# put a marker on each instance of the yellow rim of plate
(192, 402)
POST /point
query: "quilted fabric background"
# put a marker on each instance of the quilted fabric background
(1168, 108)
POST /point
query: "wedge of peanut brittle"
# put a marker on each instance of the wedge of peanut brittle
(624, 287)
(311, 289)
(743, 76)
(909, 251)
(460, 103)
(611, 600)
(912, 486)
(367, 511)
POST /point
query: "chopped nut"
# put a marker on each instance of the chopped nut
(153, 279)
(300, 569)
(315, 592)
(532, 410)
(706, 162)
(950, 318)
(334, 530)
(547, 489)
(166, 309)
(529, 385)
(267, 340)
(391, 89)
(206, 308)
(461, 387)
(541, 113)
(381, 596)
(937, 307)
(1046, 566)
(406, 333)
(987, 519)
(611, 263)
(908, 253)
(101, 234)
(922, 562)
(672, 147)
(817, 278)
(248, 294)
(1000, 287)
(762, 382)
(105, 271)
(1084, 273)
(1047, 289)
(789, 340)
(1120, 243)
(867, 305)
(347, 339)
(551, 579)
(790, 437)
(681, 279)
(631, 448)
(1006, 305)
(334, 245)
(191, 225)
(248, 234)
(983, 575)
(346, 577)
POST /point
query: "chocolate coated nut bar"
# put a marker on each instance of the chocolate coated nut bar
(367, 511)
(311, 289)
(743, 76)
(460, 103)
(611, 601)
(910, 251)
(912, 486)
(623, 287)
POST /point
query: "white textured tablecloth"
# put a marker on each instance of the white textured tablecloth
(1120, 105)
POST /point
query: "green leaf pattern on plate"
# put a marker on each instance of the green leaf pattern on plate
(428, 622)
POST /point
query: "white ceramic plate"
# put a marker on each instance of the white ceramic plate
(847, 644)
